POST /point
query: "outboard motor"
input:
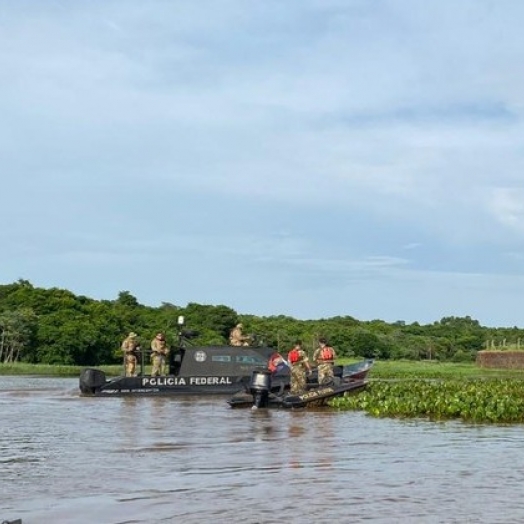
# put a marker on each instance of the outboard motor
(260, 387)
(91, 380)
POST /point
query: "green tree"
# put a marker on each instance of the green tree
(17, 330)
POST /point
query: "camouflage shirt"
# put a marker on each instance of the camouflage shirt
(129, 345)
(159, 346)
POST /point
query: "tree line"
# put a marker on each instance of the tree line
(55, 326)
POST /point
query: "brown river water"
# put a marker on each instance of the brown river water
(68, 459)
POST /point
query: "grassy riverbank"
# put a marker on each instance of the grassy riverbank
(46, 370)
(381, 370)
(434, 369)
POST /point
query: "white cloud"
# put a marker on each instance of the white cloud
(379, 122)
(507, 205)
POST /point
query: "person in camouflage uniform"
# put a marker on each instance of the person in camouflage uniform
(237, 338)
(130, 350)
(299, 362)
(324, 356)
(159, 352)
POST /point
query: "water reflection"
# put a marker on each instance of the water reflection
(262, 427)
(70, 459)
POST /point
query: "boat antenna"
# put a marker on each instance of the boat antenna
(180, 323)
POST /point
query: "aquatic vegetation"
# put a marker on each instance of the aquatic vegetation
(489, 400)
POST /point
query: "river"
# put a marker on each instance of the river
(68, 459)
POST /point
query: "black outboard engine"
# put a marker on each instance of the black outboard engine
(260, 387)
(91, 380)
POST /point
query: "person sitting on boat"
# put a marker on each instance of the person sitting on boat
(299, 362)
(276, 363)
(324, 356)
(159, 352)
(131, 351)
(237, 338)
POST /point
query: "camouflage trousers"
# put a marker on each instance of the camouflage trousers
(130, 361)
(159, 364)
(298, 380)
(325, 373)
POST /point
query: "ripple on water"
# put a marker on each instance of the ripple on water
(70, 459)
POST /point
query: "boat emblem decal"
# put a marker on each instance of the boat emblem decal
(200, 356)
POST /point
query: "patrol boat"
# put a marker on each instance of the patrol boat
(193, 370)
(262, 392)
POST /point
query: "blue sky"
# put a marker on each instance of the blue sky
(311, 159)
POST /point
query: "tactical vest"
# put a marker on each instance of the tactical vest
(273, 362)
(294, 356)
(327, 354)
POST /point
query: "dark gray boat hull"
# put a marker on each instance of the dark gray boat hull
(213, 370)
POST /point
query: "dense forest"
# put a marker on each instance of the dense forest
(55, 326)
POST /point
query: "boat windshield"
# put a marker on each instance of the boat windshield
(250, 359)
(240, 359)
(221, 358)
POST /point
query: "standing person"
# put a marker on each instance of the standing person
(159, 352)
(324, 356)
(299, 362)
(237, 338)
(131, 350)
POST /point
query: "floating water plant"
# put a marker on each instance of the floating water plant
(494, 401)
